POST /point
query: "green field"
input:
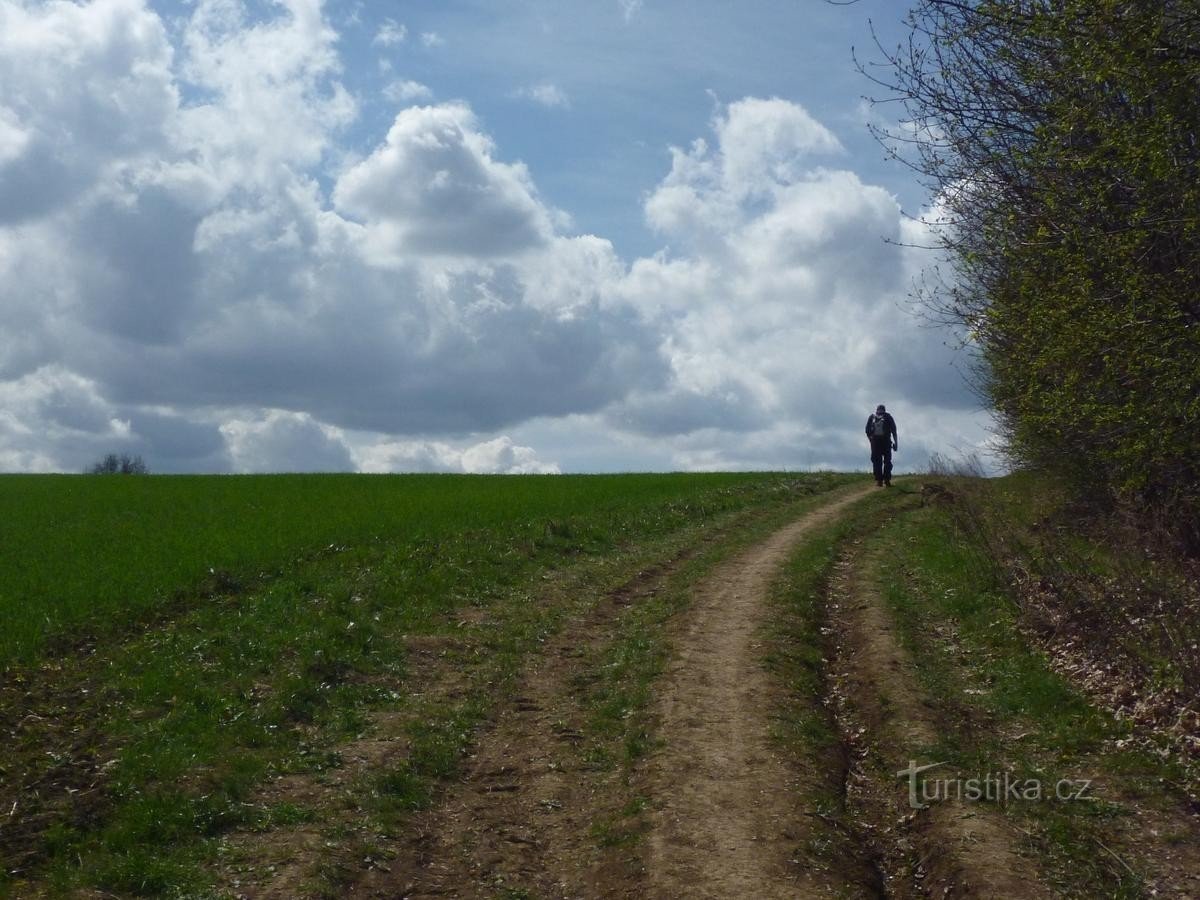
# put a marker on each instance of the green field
(85, 554)
(214, 683)
(170, 644)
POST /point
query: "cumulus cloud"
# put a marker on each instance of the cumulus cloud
(499, 456)
(276, 104)
(763, 147)
(286, 442)
(194, 267)
(780, 302)
(85, 91)
(434, 187)
(52, 419)
(432, 39)
(205, 269)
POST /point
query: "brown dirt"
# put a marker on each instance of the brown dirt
(952, 848)
(56, 762)
(726, 816)
(520, 817)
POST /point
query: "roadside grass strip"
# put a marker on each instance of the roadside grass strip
(1006, 714)
(131, 761)
(1118, 610)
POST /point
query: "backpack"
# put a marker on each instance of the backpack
(879, 427)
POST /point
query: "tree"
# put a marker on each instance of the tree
(124, 464)
(1061, 140)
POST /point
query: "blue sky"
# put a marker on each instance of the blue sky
(637, 78)
(457, 236)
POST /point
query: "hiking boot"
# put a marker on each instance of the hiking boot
(879, 484)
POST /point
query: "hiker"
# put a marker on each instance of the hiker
(881, 430)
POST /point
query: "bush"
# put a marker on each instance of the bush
(1060, 139)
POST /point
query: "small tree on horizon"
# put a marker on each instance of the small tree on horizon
(119, 464)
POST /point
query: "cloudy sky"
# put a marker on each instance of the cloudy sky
(457, 235)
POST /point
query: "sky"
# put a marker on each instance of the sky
(513, 236)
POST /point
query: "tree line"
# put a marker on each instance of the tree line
(1061, 139)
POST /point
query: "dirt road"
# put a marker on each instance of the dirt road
(715, 804)
(726, 814)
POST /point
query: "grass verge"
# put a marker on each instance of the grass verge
(1004, 710)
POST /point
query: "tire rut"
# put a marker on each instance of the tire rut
(520, 816)
(949, 848)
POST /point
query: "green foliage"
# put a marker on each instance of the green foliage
(1062, 138)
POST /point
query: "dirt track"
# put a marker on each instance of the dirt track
(722, 820)
(726, 812)
(726, 816)
(958, 848)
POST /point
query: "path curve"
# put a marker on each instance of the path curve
(725, 818)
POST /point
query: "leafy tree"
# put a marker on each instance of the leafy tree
(123, 464)
(1061, 139)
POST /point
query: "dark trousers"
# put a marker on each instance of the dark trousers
(881, 458)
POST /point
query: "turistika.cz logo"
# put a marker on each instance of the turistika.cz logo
(994, 787)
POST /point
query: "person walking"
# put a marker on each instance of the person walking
(881, 431)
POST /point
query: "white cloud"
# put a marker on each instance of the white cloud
(435, 188)
(548, 95)
(178, 279)
(499, 456)
(277, 104)
(403, 91)
(763, 147)
(53, 419)
(503, 456)
(432, 39)
(14, 139)
(630, 8)
(286, 442)
(390, 34)
(780, 312)
(82, 89)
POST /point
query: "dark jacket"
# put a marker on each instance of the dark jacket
(891, 426)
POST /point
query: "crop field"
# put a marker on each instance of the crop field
(633, 685)
(89, 553)
(171, 642)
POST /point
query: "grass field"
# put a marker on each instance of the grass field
(170, 643)
(222, 686)
(87, 553)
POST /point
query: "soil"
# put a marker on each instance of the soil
(727, 814)
(521, 816)
(722, 822)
